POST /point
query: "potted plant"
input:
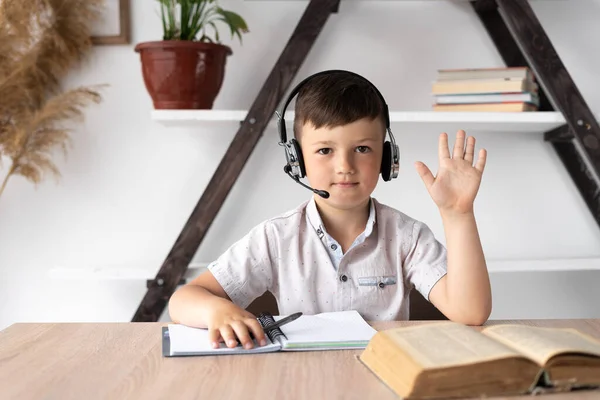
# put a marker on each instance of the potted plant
(186, 69)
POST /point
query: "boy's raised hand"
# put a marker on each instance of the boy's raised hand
(457, 181)
(227, 323)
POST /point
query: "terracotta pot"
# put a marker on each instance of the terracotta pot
(183, 74)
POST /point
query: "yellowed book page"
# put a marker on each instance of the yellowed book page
(541, 344)
(438, 345)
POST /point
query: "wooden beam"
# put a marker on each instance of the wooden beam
(553, 76)
(582, 175)
(580, 156)
(488, 13)
(260, 114)
(521, 40)
(560, 134)
(579, 169)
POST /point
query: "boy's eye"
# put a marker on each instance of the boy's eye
(362, 149)
(324, 151)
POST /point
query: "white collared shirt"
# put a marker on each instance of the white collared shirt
(333, 247)
(293, 257)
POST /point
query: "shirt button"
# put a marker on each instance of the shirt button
(343, 278)
(333, 246)
(381, 285)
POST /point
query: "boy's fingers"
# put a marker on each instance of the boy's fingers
(480, 165)
(459, 145)
(241, 331)
(214, 338)
(228, 336)
(470, 152)
(257, 331)
(425, 173)
(443, 151)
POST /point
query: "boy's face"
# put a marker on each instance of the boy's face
(344, 160)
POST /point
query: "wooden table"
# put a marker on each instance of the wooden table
(124, 360)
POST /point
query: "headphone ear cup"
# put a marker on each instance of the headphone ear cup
(298, 151)
(386, 161)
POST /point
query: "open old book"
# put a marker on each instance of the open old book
(447, 359)
(325, 331)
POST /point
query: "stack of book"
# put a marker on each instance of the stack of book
(486, 89)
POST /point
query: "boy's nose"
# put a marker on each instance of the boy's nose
(345, 164)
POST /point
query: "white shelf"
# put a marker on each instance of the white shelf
(546, 265)
(174, 116)
(115, 273)
(494, 267)
(507, 122)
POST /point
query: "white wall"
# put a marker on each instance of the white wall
(129, 183)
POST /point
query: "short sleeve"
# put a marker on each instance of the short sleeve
(245, 269)
(426, 261)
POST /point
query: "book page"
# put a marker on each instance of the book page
(541, 344)
(438, 345)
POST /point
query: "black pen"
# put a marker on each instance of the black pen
(275, 325)
(282, 321)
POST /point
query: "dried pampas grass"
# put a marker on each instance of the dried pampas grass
(36, 51)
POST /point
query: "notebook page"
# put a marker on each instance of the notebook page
(331, 330)
(185, 340)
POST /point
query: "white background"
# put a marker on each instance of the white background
(130, 183)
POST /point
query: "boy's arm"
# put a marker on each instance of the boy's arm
(189, 303)
(203, 303)
(216, 299)
(464, 293)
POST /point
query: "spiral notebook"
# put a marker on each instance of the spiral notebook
(325, 331)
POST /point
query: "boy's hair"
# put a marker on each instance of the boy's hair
(334, 99)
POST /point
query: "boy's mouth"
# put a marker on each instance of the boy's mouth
(346, 184)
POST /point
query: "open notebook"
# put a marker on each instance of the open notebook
(325, 331)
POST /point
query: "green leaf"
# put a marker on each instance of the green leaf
(236, 23)
(194, 17)
(197, 20)
(204, 20)
(172, 23)
(164, 20)
(184, 18)
(211, 23)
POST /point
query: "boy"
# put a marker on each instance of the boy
(343, 249)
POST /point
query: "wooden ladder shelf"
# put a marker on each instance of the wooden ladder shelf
(520, 40)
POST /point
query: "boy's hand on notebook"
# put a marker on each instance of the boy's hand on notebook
(227, 323)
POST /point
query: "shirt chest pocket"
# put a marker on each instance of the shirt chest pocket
(377, 282)
(375, 293)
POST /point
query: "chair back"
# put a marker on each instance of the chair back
(420, 308)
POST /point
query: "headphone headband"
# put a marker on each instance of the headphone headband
(295, 90)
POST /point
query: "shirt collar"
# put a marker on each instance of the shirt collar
(317, 223)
